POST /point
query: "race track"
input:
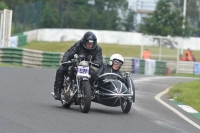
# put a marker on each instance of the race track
(26, 106)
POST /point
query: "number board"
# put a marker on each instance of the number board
(83, 71)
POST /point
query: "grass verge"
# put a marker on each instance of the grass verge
(187, 93)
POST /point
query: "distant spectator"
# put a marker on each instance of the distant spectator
(189, 55)
(146, 54)
(193, 58)
(182, 58)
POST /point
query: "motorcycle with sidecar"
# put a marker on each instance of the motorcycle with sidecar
(111, 92)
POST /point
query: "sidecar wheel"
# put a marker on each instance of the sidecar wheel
(65, 105)
(85, 100)
(126, 106)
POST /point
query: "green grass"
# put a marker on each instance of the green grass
(188, 93)
(108, 49)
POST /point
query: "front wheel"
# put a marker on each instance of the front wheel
(85, 100)
(126, 106)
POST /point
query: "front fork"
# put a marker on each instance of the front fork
(78, 81)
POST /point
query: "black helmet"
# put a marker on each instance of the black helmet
(89, 37)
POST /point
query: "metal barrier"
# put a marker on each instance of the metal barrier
(185, 67)
(35, 58)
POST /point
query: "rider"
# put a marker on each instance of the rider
(115, 63)
(86, 46)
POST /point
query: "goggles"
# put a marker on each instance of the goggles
(116, 62)
(90, 42)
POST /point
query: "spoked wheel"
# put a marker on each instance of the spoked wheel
(85, 100)
(63, 99)
(126, 106)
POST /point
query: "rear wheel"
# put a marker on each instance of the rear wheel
(85, 100)
(126, 106)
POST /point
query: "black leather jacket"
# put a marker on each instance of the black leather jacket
(78, 48)
(106, 68)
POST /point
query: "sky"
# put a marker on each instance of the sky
(143, 5)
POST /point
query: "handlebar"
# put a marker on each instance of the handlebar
(94, 64)
(68, 62)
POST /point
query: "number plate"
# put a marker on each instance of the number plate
(83, 71)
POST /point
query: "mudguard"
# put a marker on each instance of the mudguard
(129, 84)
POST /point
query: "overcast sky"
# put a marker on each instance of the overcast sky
(142, 4)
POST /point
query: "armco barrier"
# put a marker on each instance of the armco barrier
(197, 68)
(22, 39)
(136, 65)
(150, 66)
(34, 58)
(29, 58)
(51, 59)
(142, 66)
(160, 68)
(11, 55)
(186, 67)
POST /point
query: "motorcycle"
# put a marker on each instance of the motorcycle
(76, 87)
(113, 92)
(78, 91)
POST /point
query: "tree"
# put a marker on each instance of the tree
(192, 12)
(3, 5)
(103, 15)
(129, 22)
(165, 21)
(49, 17)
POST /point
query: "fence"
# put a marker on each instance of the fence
(27, 17)
(34, 58)
(29, 58)
(71, 14)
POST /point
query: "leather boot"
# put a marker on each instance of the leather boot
(57, 93)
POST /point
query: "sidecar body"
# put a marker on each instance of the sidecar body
(112, 92)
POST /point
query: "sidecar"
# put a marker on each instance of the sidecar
(113, 92)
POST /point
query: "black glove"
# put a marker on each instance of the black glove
(89, 58)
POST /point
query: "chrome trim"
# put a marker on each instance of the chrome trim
(115, 87)
(116, 100)
(69, 99)
(77, 82)
(110, 97)
(109, 74)
(107, 90)
(121, 95)
(120, 88)
(131, 86)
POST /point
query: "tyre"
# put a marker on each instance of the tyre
(85, 100)
(126, 106)
(63, 100)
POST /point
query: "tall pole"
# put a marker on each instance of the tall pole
(184, 12)
(183, 26)
(184, 17)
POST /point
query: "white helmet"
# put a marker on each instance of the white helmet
(116, 57)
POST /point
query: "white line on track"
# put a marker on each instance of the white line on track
(157, 97)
